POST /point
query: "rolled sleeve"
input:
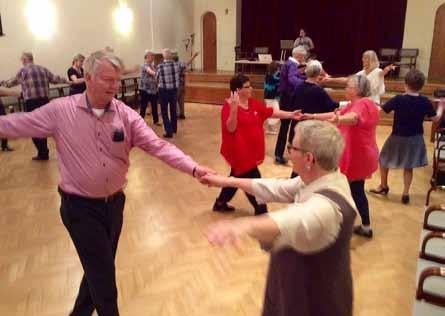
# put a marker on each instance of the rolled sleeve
(276, 190)
(307, 227)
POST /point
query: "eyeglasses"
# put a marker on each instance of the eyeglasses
(290, 148)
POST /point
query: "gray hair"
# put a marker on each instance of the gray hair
(78, 57)
(299, 50)
(313, 69)
(148, 53)
(167, 53)
(362, 85)
(28, 56)
(323, 140)
(93, 61)
(373, 59)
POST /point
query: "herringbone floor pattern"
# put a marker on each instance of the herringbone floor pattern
(164, 264)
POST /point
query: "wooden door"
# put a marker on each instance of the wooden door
(209, 42)
(437, 61)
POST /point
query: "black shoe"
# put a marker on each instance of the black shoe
(40, 158)
(222, 207)
(181, 117)
(280, 160)
(405, 199)
(359, 230)
(7, 148)
(380, 190)
(260, 212)
(168, 135)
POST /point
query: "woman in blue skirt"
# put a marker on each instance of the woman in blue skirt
(405, 148)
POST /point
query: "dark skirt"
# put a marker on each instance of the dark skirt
(403, 152)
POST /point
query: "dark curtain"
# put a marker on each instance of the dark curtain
(341, 30)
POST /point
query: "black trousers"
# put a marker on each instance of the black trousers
(282, 138)
(167, 98)
(3, 112)
(40, 143)
(153, 99)
(228, 193)
(360, 199)
(94, 227)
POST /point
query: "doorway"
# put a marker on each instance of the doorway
(209, 42)
(437, 61)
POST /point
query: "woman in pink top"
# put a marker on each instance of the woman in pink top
(357, 122)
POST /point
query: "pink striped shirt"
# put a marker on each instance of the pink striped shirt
(91, 163)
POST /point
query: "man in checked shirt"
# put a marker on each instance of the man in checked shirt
(94, 133)
(168, 84)
(34, 80)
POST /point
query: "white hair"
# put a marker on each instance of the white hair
(362, 85)
(28, 56)
(313, 69)
(299, 50)
(373, 59)
(323, 140)
(148, 52)
(167, 53)
(93, 61)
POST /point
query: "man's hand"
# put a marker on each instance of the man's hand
(225, 232)
(215, 180)
(202, 171)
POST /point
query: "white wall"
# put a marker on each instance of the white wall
(419, 29)
(87, 25)
(225, 30)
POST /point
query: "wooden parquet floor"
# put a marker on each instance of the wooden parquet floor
(165, 266)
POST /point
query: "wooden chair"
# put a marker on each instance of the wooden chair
(129, 91)
(408, 58)
(430, 292)
(387, 57)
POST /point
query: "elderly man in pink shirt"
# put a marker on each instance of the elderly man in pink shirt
(94, 134)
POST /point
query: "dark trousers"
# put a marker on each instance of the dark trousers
(280, 146)
(95, 227)
(227, 193)
(3, 112)
(153, 99)
(360, 199)
(181, 96)
(167, 98)
(40, 143)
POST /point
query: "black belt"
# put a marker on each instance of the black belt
(105, 199)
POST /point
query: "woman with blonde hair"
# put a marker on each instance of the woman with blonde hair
(75, 75)
(373, 72)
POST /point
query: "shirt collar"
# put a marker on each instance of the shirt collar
(84, 103)
(293, 60)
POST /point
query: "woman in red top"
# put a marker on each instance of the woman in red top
(357, 122)
(243, 146)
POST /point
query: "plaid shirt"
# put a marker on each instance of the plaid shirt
(34, 80)
(168, 75)
(148, 82)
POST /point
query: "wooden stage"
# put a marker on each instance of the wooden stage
(213, 88)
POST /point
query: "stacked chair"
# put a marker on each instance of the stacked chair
(430, 294)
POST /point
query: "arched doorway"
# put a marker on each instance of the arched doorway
(437, 61)
(209, 42)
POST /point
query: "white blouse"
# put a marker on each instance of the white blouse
(312, 222)
(377, 81)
